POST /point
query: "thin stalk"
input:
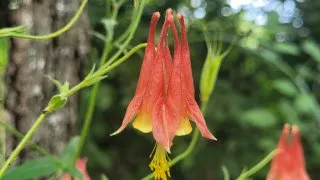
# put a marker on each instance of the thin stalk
(103, 70)
(20, 136)
(87, 121)
(258, 166)
(60, 31)
(133, 30)
(23, 142)
(187, 152)
(4, 53)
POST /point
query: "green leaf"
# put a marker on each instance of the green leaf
(68, 154)
(70, 150)
(259, 117)
(38, 167)
(56, 102)
(287, 48)
(312, 48)
(304, 103)
(285, 87)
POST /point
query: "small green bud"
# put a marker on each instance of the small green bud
(56, 102)
(211, 68)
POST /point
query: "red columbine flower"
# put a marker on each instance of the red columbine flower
(289, 163)
(164, 99)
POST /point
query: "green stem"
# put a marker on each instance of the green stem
(87, 121)
(133, 29)
(187, 152)
(19, 135)
(4, 53)
(23, 142)
(60, 31)
(94, 92)
(258, 166)
(103, 70)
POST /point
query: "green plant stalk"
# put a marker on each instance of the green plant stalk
(95, 90)
(4, 49)
(40, 119)
(34, 146)
(130, 36)
(187, 152)
(25, 139)
(258, 166)
(57, 33)
(93, 94)
(87, 121)
(225, 172)
(19, 135)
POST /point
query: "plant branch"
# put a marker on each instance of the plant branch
(258, 166)
(57, 33)
(19, 135)
(25, 139)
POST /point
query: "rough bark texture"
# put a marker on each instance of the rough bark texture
(28, 90)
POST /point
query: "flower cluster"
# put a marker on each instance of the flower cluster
(164, 100)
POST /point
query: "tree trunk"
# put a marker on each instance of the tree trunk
(28, 90)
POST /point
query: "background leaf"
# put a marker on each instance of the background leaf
(259, 117)
(38, 167)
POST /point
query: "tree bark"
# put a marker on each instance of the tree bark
(28, 90)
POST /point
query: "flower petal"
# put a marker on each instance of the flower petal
(197, 117)
(143, 123)
(149, 56)
(184, 127)
(187, 70)
(131, 111)
(165, 122)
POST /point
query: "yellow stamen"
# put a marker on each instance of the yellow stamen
(160, 163)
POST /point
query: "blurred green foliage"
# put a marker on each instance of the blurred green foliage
(271, 77)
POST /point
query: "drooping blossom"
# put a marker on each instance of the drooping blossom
(81, 166)
(288, 163)
(164, 101)
(141, 104)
